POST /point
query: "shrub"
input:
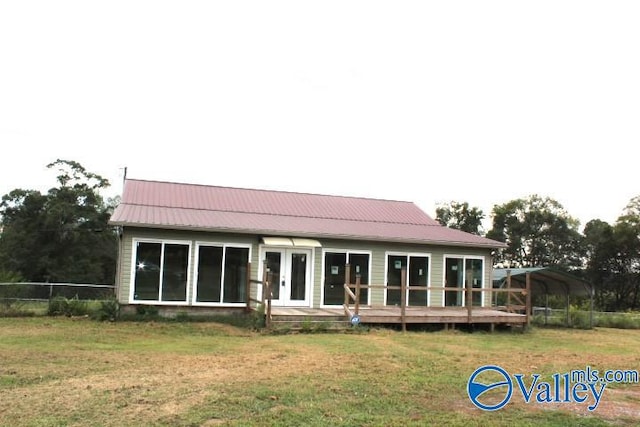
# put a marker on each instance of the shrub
(61, 306)
(109, 310)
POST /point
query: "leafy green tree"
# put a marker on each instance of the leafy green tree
(460, 216)
(613, 253)
(613, 265)
(538, 232)
(63, 235)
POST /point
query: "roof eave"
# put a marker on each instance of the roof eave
(262, 232)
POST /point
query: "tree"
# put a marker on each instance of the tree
(461, 217)
(613, 265)
(538, 232)
(60, 236)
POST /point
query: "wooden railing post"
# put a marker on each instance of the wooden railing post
(264, 284)
(247, 295)
(469, 295)
(347, 281)
(267, 284)
(403, 298)
(357, 293)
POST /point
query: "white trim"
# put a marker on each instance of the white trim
(132, 279)
(464, 263)
(348, 253)
(286, 251)
(224, 247)
(407, 256)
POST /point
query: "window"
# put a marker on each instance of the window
(417, 274)
(222, 274)
(458, 271)
(334, 275)
(161, 271)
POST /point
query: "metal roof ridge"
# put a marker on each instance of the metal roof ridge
(273, 191)
(280, 215)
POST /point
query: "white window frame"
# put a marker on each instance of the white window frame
(348, 252)
(464, 263)
(196, 262)
(132, 278)
(407, 255)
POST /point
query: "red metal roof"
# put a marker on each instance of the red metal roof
(198, 207)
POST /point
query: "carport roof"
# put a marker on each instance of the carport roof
(544, 279)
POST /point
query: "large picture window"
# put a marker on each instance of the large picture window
(161, 271)
(221, 274)
(334, 275)
(458, 272)
(417, 274)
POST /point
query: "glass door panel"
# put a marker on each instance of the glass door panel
(395, 264)
(289, 275)
(274, 261)
(298, 277)
(454, 278)
(418, 276)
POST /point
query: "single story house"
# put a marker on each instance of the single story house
(185, 246)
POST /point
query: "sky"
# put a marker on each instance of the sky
(425, 101)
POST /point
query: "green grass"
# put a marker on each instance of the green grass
(60, 371)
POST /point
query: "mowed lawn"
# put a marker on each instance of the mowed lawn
(59, 371)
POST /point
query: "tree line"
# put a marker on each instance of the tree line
(64, 235)
(539, 232)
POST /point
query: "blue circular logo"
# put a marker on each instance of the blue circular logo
(475, 388)
(355, 320)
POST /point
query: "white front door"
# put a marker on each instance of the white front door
(290, 273)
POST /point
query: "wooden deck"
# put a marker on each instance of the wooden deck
(415, 315)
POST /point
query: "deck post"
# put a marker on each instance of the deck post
(357, 293)
(267, 283)
(247, 290)
(469, 296)
(528, 309)
(264, 284)
(403, 298)
(347, 281)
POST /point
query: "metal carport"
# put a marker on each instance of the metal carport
(545, 281)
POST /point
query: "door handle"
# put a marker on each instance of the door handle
(282, 283)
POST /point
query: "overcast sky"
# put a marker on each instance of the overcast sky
(478, 101)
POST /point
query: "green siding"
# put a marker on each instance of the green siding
(129, 234)
(378, 251)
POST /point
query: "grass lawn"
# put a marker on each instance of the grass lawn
(59, 371)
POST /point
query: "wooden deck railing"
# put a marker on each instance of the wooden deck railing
(352, 293)
(267, 294)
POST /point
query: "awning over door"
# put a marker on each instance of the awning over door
(291, 242)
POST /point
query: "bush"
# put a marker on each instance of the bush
(61, 306)
(108, 310)
(618, 320)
